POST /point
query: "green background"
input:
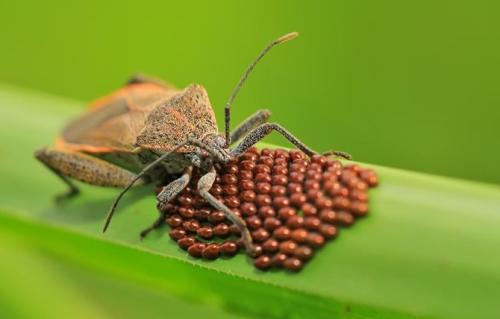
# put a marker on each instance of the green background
(411, 84)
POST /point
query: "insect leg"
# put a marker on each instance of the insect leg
(217, 153)
(167, 194)
(265, 129)
(141, 78)
(250, 123)
(158, 222)
(204, 184)
(139, 176)
(262, 131)
(83, 167)
(72, 190)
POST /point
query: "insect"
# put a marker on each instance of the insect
(148, 130)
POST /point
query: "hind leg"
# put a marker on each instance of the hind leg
(83, 167)
(141, 78)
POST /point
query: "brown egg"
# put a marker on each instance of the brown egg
(262, 178)
(279, 259)
(196, 249)
(229, 179)
(262, 169)
(185, 200)
(248, 156)
(248, 209)
(288, 247)
(295, 222)
(278, 190)
(295, 155)
(280, 202)
(345, 218)
(186, 212)
(186, 242)
(232, 201)
(271, 223)
(281, 161)
(202, 214)
(369, 176)
(359, 208)
(358, 195)
(267, 211)
(263, 200)
(216, 216)
(231, 169)
(308, 209)
(205, 232)
(245, 175)
(279, 180)
(299, 235)
(297, 168)
(229, 248)
(280, 170)
(315, 240)
(174, 221)
(320, 159)
(263, 188)
(253, 222)
(211, 251)
(328, 231)
(328, 216)
(296, 177)
(298, 199)
(191, 225)
(286, 213)
(247, 185)
(231, 189)
(266, 160)
(303, 253)
(221, 230)
(267, 152)
(282, 233)
(270, 246)
(260, 235)
(263, 262)
(177, 233)
(247, 165)
(294, 188)
(216, 190)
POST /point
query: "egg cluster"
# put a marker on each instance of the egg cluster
(292, 205)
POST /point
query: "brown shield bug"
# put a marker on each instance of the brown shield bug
(147, 130)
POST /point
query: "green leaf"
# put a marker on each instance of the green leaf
(428, 249)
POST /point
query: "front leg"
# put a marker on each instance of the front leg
(204, 184)
(249, 124)
(166, 195)
(262, 131)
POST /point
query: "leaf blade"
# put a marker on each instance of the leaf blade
(427, 239)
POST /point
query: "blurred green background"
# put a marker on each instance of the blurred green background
(410, 84)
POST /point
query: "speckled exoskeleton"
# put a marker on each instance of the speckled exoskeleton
(147, 130)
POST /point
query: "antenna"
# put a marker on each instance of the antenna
(227, 108)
